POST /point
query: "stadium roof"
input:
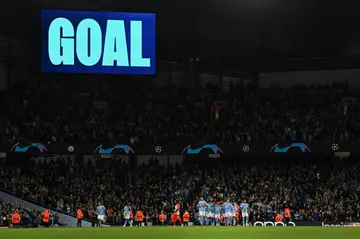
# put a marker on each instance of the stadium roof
(242, 34)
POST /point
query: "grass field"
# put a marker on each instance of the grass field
(184, 233)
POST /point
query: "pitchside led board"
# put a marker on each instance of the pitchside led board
(98, 42)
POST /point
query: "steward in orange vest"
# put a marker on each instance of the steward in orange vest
(186, 218)
(45, 218)
(278, 218)
(162, 219)
(110, 215)
(139, 217)
(79, 216)
(287, 216)
(16, 219)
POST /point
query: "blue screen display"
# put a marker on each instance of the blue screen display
(98, 42)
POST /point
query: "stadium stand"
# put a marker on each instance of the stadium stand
(133, 114)
(137, 114)
(73, 114)
(312, 190)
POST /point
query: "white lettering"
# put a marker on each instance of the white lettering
(272, 224)
(338, 224)
(86, 43)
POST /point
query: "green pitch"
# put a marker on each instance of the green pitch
(184, 233)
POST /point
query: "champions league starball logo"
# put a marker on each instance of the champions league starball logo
(246, 148)
(158, 149)
(71, 148)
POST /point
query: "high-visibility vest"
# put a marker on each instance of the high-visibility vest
(45, 216)
(109, 212)
(139, 216)
(79, 214)
(15, 219)
(287, 213)
(162, 217)
(186, 217)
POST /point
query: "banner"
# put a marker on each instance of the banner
(208, 150)
(351, 224)
(98, 42)
(340, 224)
(306, 224)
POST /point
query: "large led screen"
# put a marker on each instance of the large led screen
(98, 42)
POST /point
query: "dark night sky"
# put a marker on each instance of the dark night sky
(228, 30)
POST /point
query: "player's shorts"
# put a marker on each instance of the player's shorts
(101, 217)
(217, 216)
(202, 213)
(127, 217)
(210, 214)
(245, 214)
(228, 214)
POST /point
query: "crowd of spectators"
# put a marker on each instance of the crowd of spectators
(132, 114)
(8, 131)
(68, 187)
(307, 114)
(73, 112)
(314, 192)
